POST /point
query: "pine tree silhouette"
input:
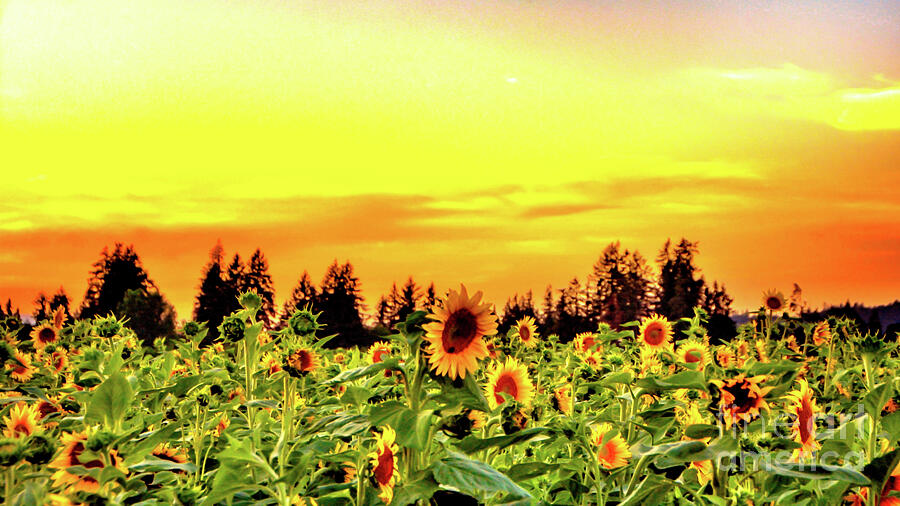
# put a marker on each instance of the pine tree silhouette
(304, 296)
(514, 310)
(341, 302)
(257, 278)
(211, 305)
(680, 292)
(407, 301)
(61, 300)
(234, 284)
(620, 286)
(111, 277)
(41, 308)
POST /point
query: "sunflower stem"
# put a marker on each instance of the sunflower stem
(637, 471)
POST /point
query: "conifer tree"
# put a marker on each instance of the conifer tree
(234, 283)
(61, 300)
(341, 303)
(41, 308)
(515, 309)
(257, 278)
(211, 305)
(406, 302)
(680, 291)
(430, 298)
(620, 283)
(111, 277)
(303, 296)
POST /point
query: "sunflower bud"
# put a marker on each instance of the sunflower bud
(107, 327)
(40, 449)
(232, 328)
(303, 322)
(99, 440)
(11, 451)
(250, 301)
(189, 496)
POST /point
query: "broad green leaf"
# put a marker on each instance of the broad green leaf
(110, 400)
(458, 471)
(686, 379)
(701, 430)
(472, 444)
(155, 465)
(362, 372)
(528, 470)
(814, 472)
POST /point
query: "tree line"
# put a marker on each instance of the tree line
(621, 287)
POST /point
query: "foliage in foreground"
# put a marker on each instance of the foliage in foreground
(444, 411)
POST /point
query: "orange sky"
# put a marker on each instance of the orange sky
(501, 144)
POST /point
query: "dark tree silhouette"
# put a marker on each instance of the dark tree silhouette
(235, 279)
(257, 279)
(430, 298)
(406, 302)
(571, 312)
(619, 287)
(42, 309)
(61, 300)
(680, 291)
(515, 309)
(303, 296)
(716, 300)
(111, 277)
(149, 315)
(340, 300)
(548, 311)
(211, 305)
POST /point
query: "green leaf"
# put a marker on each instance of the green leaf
(528, 470)
(362, 372)
(814, 471)
(701, 430)
(680, 451)
(155, 465)
(420, 489)
(472, 444)
(686, 379)
(412, 430)
(891, 424)
(467, 475)
(110, 400)
(877, 398)
(616, 378)
(356, 395)
(650, 491)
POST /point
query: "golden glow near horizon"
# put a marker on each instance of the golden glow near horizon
(495, 137)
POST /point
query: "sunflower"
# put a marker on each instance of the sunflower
(527, 331)
(510, 378)
(58, 360)
(655, 331)
(271, 362)
(650, 362)
(612, 452)
(584, 342)
(21, 368)
(44, 334)
(47, 407)
(163, 451)
(21, 422)
(821, 334)
(73, 455)
(303, 501)
(455, 341)
(562, 398)
(891, 485)
(803, 406)
(741, 398)
(773, 301)
(694, 352)
(478, 418)
(339, 358)
(223, 424)
(378, 352)
(761, 350)
(303, 360)
(593, 359)
(347, 472)
(384, 464)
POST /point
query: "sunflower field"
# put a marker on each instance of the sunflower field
(446, 411)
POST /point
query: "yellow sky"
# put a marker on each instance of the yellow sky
(500, 143)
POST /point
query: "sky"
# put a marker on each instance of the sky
(498, 144)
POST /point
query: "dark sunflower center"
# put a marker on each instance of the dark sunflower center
(654, 334)
(459, 331)
(773, 303)
(507, 385)
(743, 402)
(587, 344)
(45, 408)
(693, 356)
(525, 332)
(805, 420)
(47, 335)
(305, 361)
(22, 427)
(385, 469)
(378, 356)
